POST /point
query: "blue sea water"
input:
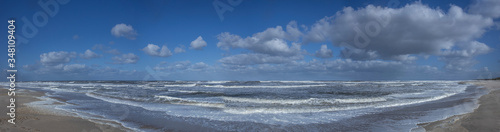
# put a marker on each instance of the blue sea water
(263, 105)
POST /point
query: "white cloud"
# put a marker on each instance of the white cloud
(129, 58)
(56, 58)
(459, 60)
(359, 54)
(79, 72)
(176, 66)
(324, 52)
(123, 30)
(269, 46)
(199, 66)
(88, 54)
(75, 68)
(154, 50)
(56, 63)
(271, 43)
(257, 58)
(488, 8)
(319, 31)
(394, 33)
(198, 43)
(293, 31)
(335, 69)
(75, 37)
(183, 69)
(179, 49)
(469, 50)
(113, 51)
(106, 49)
(406, 57)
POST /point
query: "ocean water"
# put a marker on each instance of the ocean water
(262, 105)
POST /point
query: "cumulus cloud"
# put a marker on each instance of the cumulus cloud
(123, 30)
(272, 41)
(56, 63)
(129, 58)
(155, 50)
(359, 54)
(184, 69)
(75, 68)
(88, 54)
(78, 72)
(324, 52)
(488, 8)
(270, 46)
(393, 34)
(176, 66)
(458, 60)
(372, 39)
(179, 49)
(181, 66)
(257, 58)
(336, 69)
(262, 44)
(198, 43)
(293, 32)
(199, 66)
(56, 58)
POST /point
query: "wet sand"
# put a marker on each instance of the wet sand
(486, 118)
(32, 119)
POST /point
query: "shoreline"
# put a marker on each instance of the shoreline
(32, 118)
(484, 118)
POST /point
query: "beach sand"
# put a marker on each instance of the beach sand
(486, 118)
(31, 119)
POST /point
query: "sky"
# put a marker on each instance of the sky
(254, 40)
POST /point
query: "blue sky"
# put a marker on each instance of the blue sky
(257, 40)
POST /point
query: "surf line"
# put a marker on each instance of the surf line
(12, 76)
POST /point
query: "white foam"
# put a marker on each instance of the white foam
(310, 101)
(267, 101)
(287, 110)
(181, 101)
(188, 91)
(361, 100)
(417, 101)
(89, 87)
(297, 82)
(215, 82)
(253, 86)
(182, 91)
(180, 85)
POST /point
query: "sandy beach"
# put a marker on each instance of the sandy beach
(30, 119)
(486, 118)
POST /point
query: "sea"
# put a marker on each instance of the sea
(260, 105)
